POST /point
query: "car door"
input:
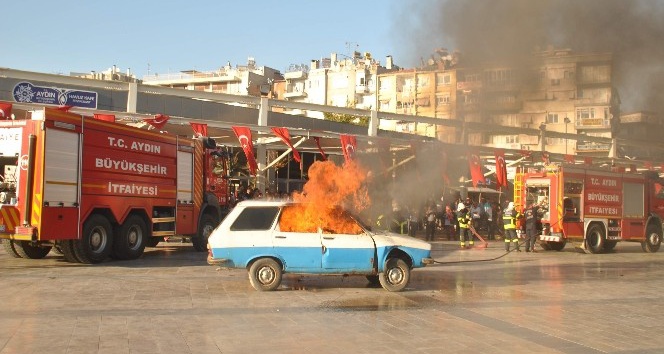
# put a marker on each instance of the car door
(347, 248)
(298, 245)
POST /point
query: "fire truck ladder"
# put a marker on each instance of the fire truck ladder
(518, 187)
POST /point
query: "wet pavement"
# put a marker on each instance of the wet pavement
(171, 301)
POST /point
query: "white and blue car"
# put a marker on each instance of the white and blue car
(250, 237)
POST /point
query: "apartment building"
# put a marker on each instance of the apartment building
(559, 91)
(248, 79)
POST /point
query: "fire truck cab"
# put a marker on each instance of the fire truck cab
(596, 207)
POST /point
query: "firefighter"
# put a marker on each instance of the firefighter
(510, 215)
(531, 215)
(463, 216)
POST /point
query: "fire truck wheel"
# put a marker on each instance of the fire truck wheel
(265, 274)
(610, 245)
(10, 248)
(26, 250)
(208, 223)
(546, 245)
(129, 243)
(595, 239)
(67, 247)
(557, 246)
(57, 249)
(395, 276)
(653, 239)
(96, 242)
(153, 241)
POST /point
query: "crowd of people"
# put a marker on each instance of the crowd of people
(462, 218)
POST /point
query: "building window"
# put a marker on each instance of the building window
(422, 81)
(585, 113)
(443, 100)
(552, 118)
(443, 79)
(511, 139)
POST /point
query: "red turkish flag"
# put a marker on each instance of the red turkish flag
(501, 168)
(285, 137)
(158, 121)
(475, 168)
(200, 129)
(6, 110)
(443, 162)
(105, 117)
(244, 136)
(322, 153)
(570, 159)
(348, 146)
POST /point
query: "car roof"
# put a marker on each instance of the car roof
(262, 203)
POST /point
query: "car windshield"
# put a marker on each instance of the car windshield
(309, 218)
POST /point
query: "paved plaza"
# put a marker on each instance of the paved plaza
(171, 301)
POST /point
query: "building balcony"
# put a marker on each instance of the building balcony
(504, 106)
(592, 147)
(295, 94)
(592, 123)
(294, 75)
(469, 85)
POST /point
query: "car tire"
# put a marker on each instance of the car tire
(653, 239)
(395, 276)
(595, 239)
(265, 274)
(129, 242)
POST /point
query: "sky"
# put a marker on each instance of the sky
(165, 36)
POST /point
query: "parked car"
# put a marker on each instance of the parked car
(270, 238)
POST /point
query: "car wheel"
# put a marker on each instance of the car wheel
(395, 276)
(373, 279)
(265, 274)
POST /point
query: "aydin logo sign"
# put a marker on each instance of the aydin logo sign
(29, 93)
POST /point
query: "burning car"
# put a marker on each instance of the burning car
(270, 238)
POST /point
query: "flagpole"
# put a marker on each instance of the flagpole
(288, 151)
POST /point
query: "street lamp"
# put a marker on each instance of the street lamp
(567, 121)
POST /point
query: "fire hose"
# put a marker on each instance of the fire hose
(485, 244)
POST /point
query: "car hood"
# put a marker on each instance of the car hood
(384, 238)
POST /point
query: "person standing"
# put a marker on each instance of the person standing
(449, 223)
(430, 223)
(490, 226)
(463, 216)
(531, 215)
(509, 223)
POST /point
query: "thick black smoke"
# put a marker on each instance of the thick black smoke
(509, 30)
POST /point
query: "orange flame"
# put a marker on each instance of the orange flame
(330, 190)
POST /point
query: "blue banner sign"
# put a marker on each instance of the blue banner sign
(29, 93)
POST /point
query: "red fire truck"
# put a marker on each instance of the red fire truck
(598, 208)
(94, 189)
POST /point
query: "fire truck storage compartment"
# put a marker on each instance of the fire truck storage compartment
(538, 191)
(185, 193)
(633, 210)
(61, 196)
